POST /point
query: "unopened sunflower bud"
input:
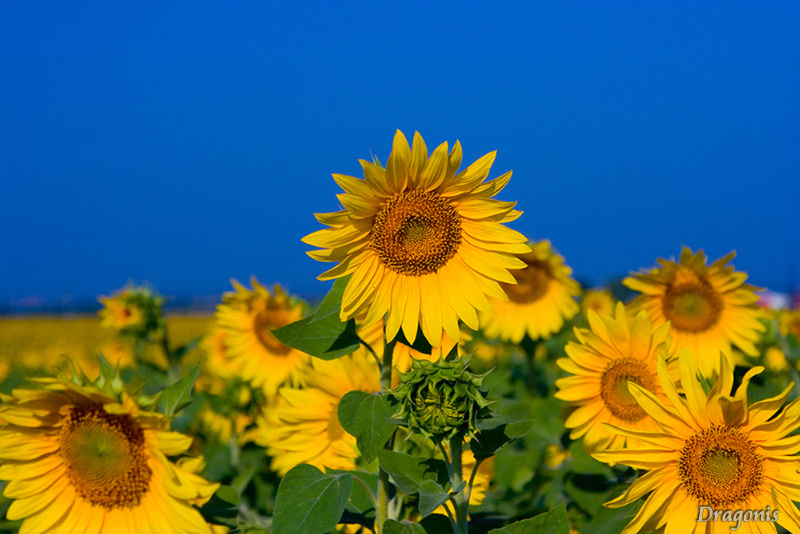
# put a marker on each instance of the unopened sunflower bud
(134, 311)
(440, 399)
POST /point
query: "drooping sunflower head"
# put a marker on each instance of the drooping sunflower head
(440, 399)
(710, 308)
(133, 310)
(78, 460)
(540, 301)
(618, 350)
(245, 321)
(425, 244)
(712, 449)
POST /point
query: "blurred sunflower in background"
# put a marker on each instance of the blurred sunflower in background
(302, 425)
(712, 449)
(423, 242)
(616, 351)
(709, 308)
(540, 301)
(245, 320)
(599, 300)
(76, 460)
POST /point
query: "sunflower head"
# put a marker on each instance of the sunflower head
(711, 448)
(709, 307)
(599, 300)
(540, 300)
(424, 242)
(440, 399)
(93, 454)
(133, 311)
(243, 337)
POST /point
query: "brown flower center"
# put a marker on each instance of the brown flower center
(416, 232)
(268, 317)
(719, 466)
(614, 388)
(105, 457)
(692, 306)
(532, 282)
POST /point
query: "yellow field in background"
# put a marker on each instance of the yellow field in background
(42, 341)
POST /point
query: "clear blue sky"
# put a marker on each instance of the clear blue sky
(185, 143)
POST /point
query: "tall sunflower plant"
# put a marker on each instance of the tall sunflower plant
(420, 247)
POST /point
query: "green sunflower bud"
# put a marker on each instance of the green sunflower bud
(440, 399)
(134, 311)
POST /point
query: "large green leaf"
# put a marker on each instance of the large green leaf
(403, 527)
(323, 335)
(552, 522)
(408, 472)
(368, 418)
(310, 501)
(177, 395)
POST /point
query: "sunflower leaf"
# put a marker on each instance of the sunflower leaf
(403, 527)
(223, 507)
(409, 472)
(179, 394)
(310, 501)
(323, 335)
(431, 496)
(368, 418)
(552, 522)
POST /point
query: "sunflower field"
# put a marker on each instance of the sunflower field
(455, 379)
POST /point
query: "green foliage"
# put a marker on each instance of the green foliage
(178, 394)
(431, 496)
(323, 334)
(409, 472)
(368, 418)
(310, 501)
(403, 527)
(223, 507)
(552, 522)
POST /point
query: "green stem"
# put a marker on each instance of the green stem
(456, 480)
(382, 512)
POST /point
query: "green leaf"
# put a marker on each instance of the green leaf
(177, 395)
(403, 527)
(223, 507)
(431, 496)
(323, 335)
(613, 520)
(552, 522)
(368, 418)
(513, 422)
(408, 472)
(310, 501)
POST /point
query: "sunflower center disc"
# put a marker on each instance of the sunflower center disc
(692, 307)
(264, 322)
(614, 388)
(105, 457)
(719, 466)
(532, 282)
(416, 232)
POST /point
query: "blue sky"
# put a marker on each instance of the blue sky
(185, 143)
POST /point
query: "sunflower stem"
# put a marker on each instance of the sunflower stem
(456, 480)
(382, 511)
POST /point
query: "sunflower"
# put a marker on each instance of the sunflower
(77, 460)
(599, 300)
(246, 319)
(713, 450)
(542, 298)
(618, 350)
(302, 424)
(710, 307)
(424, 243)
